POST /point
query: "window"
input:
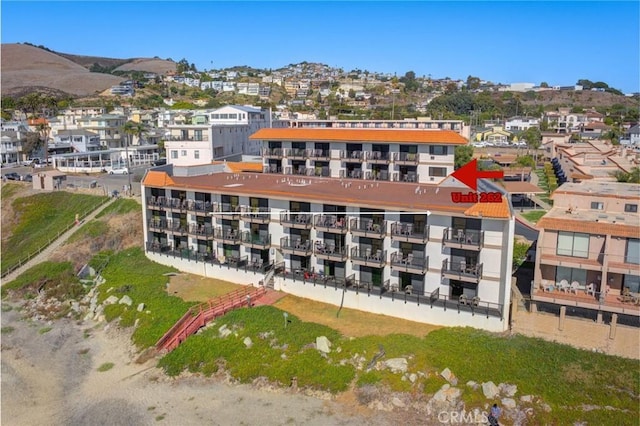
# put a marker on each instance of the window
(196, 154)
(571, 275)
(183, 153)
(438, 150)
(631, 208)
(633, 251)
(597, 205)
(632, 282)
(573, 244)
(438, 171)
(174, 153)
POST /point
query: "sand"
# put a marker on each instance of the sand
(52, 378)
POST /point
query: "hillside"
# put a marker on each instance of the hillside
(154, 65)
(25, 67)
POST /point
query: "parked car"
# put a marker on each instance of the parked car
(119, 171)
(27, 178)
(12, 176)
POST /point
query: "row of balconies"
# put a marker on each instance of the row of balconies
(201, 138)
(377, 157)
(381, 175)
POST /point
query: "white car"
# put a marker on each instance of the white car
(119, 171)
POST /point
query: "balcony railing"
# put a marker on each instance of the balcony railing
(295, 246)
(331, 223)
(176, 203)
(408, 158)
(328, 250)
(157, 202)
(379, 157)
(408, 177)
(365, 227)
(202, 138)
(382, 175)
(461, 271)
(201, 230)
(352, 174)
(298, 171)
(320, 172)
(273, 152)
(410, 262)
(296, 220)
(272, 168)
(357, 156)
(368, 256)
(256, 214)
(227, 235)
(198, 206)
(319, 154)
(173, 226)
(408, 232)
(226, 211)
(467, 239)
(297, 153)
(261, 241)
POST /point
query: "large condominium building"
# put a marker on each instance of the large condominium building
(418, 156)
(404, 249)
(589, 249)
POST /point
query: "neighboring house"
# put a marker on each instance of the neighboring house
(631, 136)
(389, 248)
(366, 154)
(519, 124)
(590, 242)
(12, 136)
(108, 126)
(593, 130)
(496, 135)
(79, 140)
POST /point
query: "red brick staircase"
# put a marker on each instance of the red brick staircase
(198, 316)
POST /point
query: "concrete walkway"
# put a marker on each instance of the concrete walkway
(46, 253)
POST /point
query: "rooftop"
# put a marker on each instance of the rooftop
(447, 137)
(602, 189)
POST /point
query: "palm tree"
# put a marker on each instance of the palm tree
(131, 128)
(43, 130)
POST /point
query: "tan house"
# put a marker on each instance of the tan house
(588, 252)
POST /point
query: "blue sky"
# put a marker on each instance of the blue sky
(500, 41)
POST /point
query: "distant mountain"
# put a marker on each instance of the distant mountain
(27, 68)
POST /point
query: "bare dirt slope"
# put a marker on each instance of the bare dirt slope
(25, 66)
(155, 65)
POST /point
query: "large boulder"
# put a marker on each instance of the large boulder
(126, 300)
(449, 376)
(323, 344)
(490, 390)
(397, 365)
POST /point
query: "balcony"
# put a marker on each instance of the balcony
(256, 214)
(368, 256)
(408, 177)
(353, 156)
(328, 250)
(574, 261)
(406, 158)
(466, 239)
(297, 171)
(330, 223)
(201, 231)
(410, 263)
(175, 204)
(382, 175)
(319, 154)
(379, 157)
(168, 225)
(352, 174)
(226, 211)
(363, 227)
(408, 232)
(259, 241)
(296, 220)
(297, 153)
(295, 246)
(156, 203)
(461, 271)
(272, 168)
(202, 138)
(273, 153)
(319, 171)
(199, 207)
(157, 225)
(226, 235)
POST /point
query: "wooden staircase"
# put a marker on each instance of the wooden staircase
(198, 316)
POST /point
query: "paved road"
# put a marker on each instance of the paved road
(44, 254)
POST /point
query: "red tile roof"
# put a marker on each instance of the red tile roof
(447, 137)
(616, 230)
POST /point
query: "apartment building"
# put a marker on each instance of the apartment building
(107, 126)
(403, 249)
(214, 135)
(588, 249)
(417, 156)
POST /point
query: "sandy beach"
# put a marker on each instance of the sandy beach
(51, 377)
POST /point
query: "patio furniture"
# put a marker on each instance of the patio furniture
(547, 286)
(574, 287)
(475, 301)
(564, 286)
(463, 299)
(408, 289)
(378, 255)
(591, 289)
(410, 259)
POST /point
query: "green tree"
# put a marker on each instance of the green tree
(473, 83)
(533, 138)
(462, 155)
(632, 176)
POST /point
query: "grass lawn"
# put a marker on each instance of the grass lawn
(39, 219)
(534, 216)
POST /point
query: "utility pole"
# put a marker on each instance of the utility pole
(126, 150)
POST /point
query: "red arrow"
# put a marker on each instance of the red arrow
(469, 175)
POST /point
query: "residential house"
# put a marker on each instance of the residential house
(108, 126)
(495, 135)
(519, 124)
(12, 137)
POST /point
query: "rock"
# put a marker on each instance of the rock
(111, 300)
(126, 300)
(135, 324)
(397, 365)
(507, 389)
(473, 385)
(546, 407)
(140, 307)
(508, 403)
(75, 307)
(413, 377)
(449, 376)
(88, 316)
(323, 344)
(224, 331)
(397, 402)
(452, 394)
(247, 342)
(526, 398)
(490, 390)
